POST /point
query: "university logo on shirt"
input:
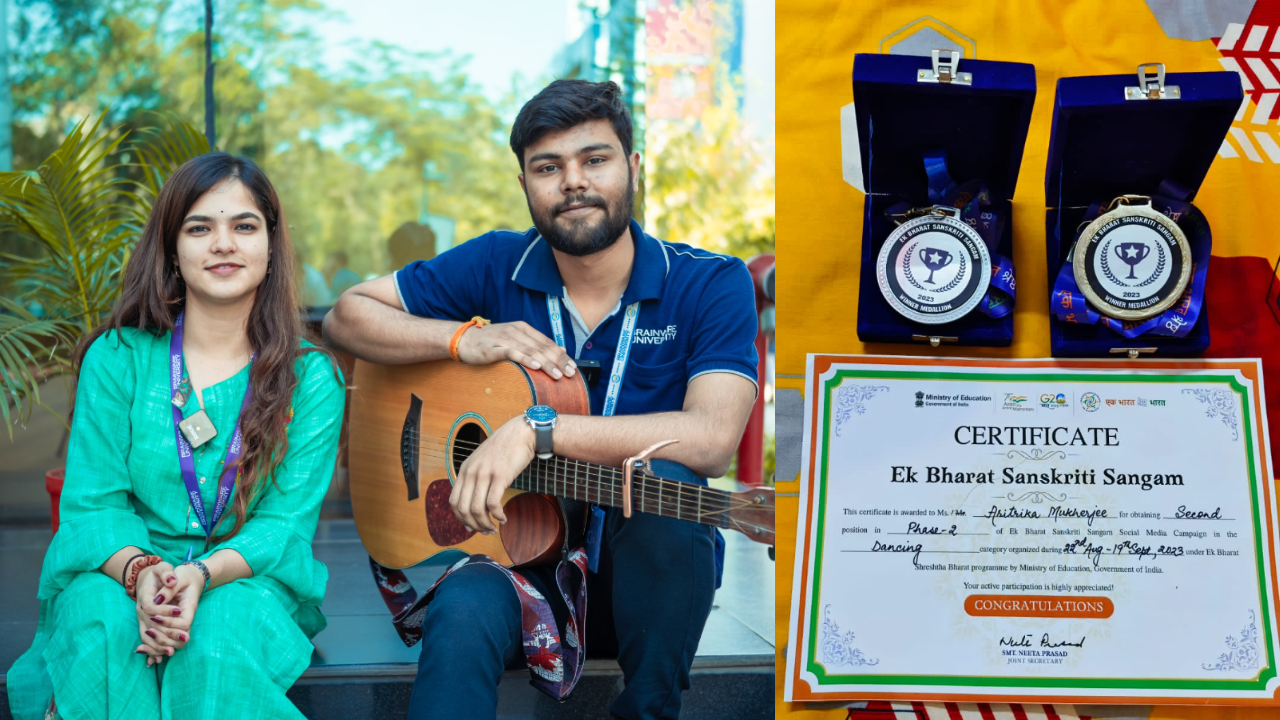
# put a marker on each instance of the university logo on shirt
(654, 337)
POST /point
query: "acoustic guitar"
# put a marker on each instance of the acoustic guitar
(412, 426)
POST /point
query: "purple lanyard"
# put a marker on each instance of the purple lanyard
(177, 371)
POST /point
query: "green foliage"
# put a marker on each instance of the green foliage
(711, 182)
(24, 353)
(345, 146)
(67, 206)
(770, 457)
(349, 191)
(84, 215)
(165, 149)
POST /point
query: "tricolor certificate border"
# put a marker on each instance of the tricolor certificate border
(1148, 481)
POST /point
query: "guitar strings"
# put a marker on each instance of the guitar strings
(614, 474)
(679, 496)
(682, 491)
(648, 498)
(678, 493)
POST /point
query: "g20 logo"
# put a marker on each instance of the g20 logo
(1053, 400)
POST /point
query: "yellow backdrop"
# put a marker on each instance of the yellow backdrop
(819, 225)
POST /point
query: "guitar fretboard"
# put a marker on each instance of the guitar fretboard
(602, 485)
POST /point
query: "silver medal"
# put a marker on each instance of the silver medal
(934, 269)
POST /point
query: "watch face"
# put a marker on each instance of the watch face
(540, 414)
(934, 269)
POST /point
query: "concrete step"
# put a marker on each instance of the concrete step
(742, 692)
(740, 688)
(361, 669)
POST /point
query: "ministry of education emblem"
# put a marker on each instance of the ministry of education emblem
(1132, 262)
(934, 268)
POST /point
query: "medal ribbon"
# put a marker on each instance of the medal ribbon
(1070, 305)
(973, 200)
(177, 373)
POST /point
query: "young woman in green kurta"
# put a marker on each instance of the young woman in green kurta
(228, 645)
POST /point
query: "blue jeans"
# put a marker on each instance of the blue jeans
(647, 605)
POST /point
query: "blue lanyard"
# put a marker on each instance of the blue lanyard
(177, 372)
(629, 319)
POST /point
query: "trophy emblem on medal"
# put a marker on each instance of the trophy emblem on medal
(1131, 230)
(1133, 253)
(931, 241)
(935, 260)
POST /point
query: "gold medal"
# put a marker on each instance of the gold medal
(1132, 262)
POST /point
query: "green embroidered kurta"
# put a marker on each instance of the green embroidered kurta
(250, 639)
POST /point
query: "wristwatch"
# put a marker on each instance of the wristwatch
(542, 419)
(202, 568)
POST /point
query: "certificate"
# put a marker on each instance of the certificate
(1034, 531)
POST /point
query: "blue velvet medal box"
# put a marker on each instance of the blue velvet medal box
(981, 127)
(1102, 146)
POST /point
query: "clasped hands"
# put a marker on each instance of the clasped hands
(167, 602)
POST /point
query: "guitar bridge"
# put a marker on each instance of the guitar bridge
(409, 443)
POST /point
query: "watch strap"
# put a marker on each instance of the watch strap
(204, 570)
(542, 446)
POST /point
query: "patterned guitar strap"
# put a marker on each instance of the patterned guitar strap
(554, 664)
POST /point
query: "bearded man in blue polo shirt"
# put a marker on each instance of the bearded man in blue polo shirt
(673, 329)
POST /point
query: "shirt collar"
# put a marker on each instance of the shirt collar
(537, 268)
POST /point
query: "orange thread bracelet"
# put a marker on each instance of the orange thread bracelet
(476, 321)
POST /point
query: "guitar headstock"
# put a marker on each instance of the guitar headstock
(751, 513)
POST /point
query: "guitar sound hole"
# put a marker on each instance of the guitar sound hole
(469, 435)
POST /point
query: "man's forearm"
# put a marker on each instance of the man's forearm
(374, 331)
(704, 447)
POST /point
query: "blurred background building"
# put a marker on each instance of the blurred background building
(372, 113)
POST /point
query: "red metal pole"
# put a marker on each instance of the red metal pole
(751, 448)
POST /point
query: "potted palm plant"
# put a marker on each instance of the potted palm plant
(83, 210)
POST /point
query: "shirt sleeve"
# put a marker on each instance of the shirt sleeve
(450, 286)
(276, 538)
(725, 325)
(95, 512)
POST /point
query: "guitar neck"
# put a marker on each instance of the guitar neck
(602, 485)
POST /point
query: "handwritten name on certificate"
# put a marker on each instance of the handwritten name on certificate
(1034, 531)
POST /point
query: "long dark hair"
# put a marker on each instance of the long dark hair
(154, 294)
